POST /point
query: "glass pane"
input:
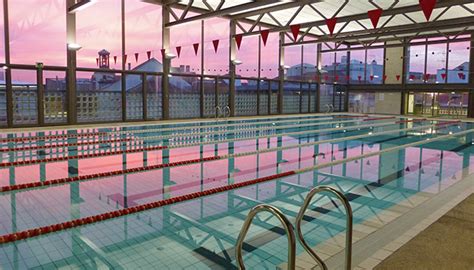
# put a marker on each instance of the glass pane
(291, 97)
(309, 62)
(341, 67)
(55, 97)
(325, 97)
(293, 68)
(248, 54)
(416, 64)
(357, 66)
(314, 89)
(184, 97)
(99, 97)
(263, 94)
(328, 67)
(274, 97)
(134, 97)
(246, 97)
(184, 36)
(153, 97)
(374, 66)
(25, 97)
(269, 61)
(210, 109)
(458, 62)
(436, 63)
(3, 99)
(216, 63)
(305, 97)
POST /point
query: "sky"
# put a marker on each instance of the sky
(38, 34)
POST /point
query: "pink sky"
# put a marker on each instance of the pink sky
(38, 34)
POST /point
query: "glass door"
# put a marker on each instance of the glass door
(437, 104)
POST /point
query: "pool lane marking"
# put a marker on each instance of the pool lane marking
(196, 125)
(130, 132)
(66, 180)
(13, 237)
(64, 158)
(40, 147)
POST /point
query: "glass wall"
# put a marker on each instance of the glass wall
(153, 97)
(216, 63)
(25, 97)
(292, 97)
(134, 97)
(184, 98)
(246, 92)
(55, 97)
(374, 66)
(269, 62)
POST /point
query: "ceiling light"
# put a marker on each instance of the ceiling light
(170, 55)
(236, 62)
(74, 46)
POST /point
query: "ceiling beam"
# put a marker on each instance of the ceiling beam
(225, 11)
(362, 16)
(274, 8)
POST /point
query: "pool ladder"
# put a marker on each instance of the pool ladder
(290, 231)
(330, 108)
(222, 112)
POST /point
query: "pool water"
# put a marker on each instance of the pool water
(55, 176)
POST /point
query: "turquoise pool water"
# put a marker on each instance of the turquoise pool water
(377, 162)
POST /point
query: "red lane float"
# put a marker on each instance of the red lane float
(66, 180)
(351, 116)
(49, 137)
(408, 121)
(132, 210)
(39, 147)
(447, 123)
(379, 118)
(57, 159)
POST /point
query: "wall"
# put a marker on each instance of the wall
(388, 102)
(393, 64)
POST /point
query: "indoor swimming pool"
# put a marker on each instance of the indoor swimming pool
(175, 195)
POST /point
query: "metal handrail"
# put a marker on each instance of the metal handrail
(226, 111)
(218, 111)
(348, 208)
(284, 221)
(331, 106)
(328, 108)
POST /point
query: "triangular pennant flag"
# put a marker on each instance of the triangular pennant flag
(97, 61)
(196, 48)
(178, 51)
(427, 6)
(148, 54)
(238, 40)
(163, 53)
(331, 24)
(359, 77)
(411, 77)
(115, 59)
(136, 57)
(398, 77)
(264, 34)
(326, 77)
(427, 76)
(374, 16)
(348, 78)
(371, 77)
(385, 77)
(295, 30)
(336, 78)
(407, 169)
(125, 59)
(443, 75)
(215, 43)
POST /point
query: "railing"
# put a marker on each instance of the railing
(299, 219)
(330, 108)
(226, 111)
(218, 112)
(284, 221)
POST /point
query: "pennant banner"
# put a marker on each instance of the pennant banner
(331, 24)
(238, 40)
(115, 60)
(443, 75)
(398, 77)
(264, 34)
(385, 77)
(215, 43)
(427, 6)
(374, 16)
(359, 77)
(136, 57)
(148, 54)
(427, 77)
(295, 30)
(178, 51)
(196, 48)
(336, 78)
(371, 77)
(411, 77)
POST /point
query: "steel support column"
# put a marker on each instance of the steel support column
(470, 113)
(166, 64)
(281, 72)
(124, 65)
(71, 59)
(8, 72)
(232, 54)
(40, 94)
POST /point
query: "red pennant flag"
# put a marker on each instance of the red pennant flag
(178, 51)
(148, 54)
(336, 78)
(136, 57)
(371, 77)
(326, 77)
(264, 34)
(359, 77)
(97, 61)
(331, 24)
(443, 75)
(238, 40)
(427, 76)
(115, 59)
(411, 77)
(163, 53)
(398, 77)
(125, 59)
(427, 6)
(295, 30)
(385, 77)
(374, 16)
(196, 48)
(348, 78)
(216, 45)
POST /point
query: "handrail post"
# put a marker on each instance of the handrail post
(286, 225)
(347, 206)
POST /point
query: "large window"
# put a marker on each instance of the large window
(186, 36)
(458, 62)
(269, 57)
(248, 54)
(216, 63)
(293, 62)
(374, 66)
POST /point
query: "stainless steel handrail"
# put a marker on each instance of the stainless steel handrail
(284, 221)
(218, 111)
(226, 111)
(348, 208)
(331, 106)
(328, 108)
